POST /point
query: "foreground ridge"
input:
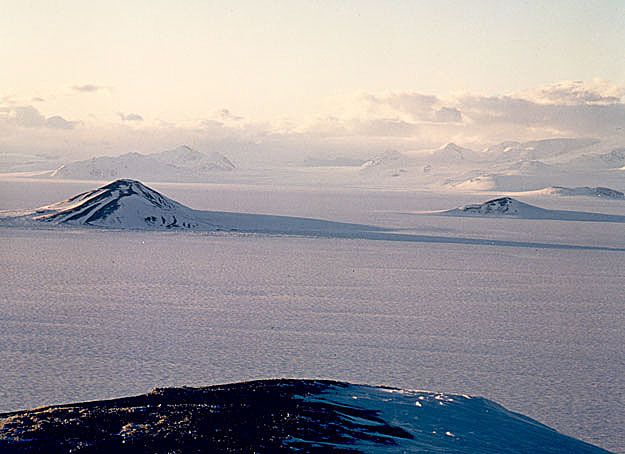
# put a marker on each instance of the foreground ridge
(279, 416)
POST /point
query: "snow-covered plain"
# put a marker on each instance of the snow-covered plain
(90, 314)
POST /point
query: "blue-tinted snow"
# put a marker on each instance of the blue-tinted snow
(428, 422)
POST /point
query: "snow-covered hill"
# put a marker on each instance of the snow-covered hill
(283, 416)
(185, 157)
(539, 149)
(180, 164)
(452, 153)
(390, 163)
(507, 207)
(583, 191)
(129, 204)
(503, 206)
(121, 204)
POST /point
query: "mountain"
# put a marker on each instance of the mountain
(186, 157)
(539, 149)
(27, 162)
(451, 152)
(180, 164)
(283, 416)
(503, 206)
(614, 158)
(129, 204)
(585, 191)
(121, 204)
(132, 164)
(390, 163)
(507, 207)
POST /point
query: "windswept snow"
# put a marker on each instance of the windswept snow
(284, 415)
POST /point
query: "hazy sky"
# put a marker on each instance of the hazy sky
(331, 66)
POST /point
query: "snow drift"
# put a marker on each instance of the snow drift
(282, 416)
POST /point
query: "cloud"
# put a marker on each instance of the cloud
(58, 122)
(595, 92)
(568, 119)
(88, 88)
(414, 107)
(27, 116)
(30, 117)
(130, 117)
(420, 106)
(362, 124)
(226, 115)
(570, 108)
(448, 115)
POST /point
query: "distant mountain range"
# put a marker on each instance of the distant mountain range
(180, 164)
(506, 167)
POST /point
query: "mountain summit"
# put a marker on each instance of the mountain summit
(123, 203)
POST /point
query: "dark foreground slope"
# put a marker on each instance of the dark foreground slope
(281, 416)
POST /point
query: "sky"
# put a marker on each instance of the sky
(407, 74)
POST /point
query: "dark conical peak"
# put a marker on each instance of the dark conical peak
(125, 187)
(124, 199)
(123, 183)
(500, 200)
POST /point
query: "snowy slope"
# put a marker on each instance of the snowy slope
(539, 149)
(390, 163)
(129, 165)
(121, 204)
(129, 204)
(450, 153)
(26, 162)
(507, 207)
(186, 157)
(583, 191)
(283, 416)
(180, 164)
